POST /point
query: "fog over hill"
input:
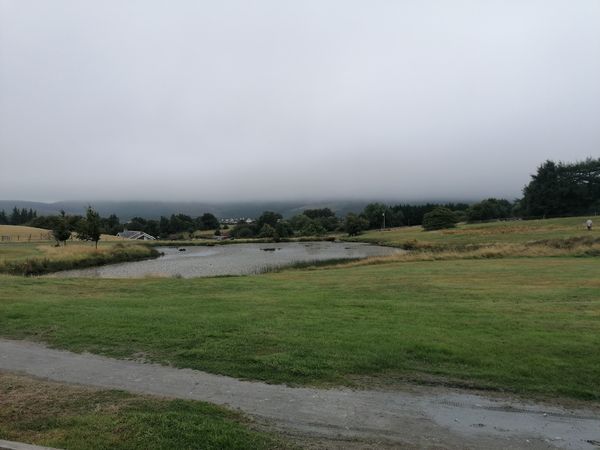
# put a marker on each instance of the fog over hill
(152, 210)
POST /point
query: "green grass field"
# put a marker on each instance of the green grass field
(520, 231)
(75, 418)
(526, 325)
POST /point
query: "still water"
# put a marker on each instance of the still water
(235, 259)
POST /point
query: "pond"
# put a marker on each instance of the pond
(234, 259)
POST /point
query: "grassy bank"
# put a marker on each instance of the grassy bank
(526, 325)
(38, 259)
(62, 416)
(585, 246)
(484, 234)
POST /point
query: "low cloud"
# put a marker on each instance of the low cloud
(268, 100)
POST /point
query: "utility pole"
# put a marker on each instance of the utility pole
(383, 227)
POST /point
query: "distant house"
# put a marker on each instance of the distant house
(236, 220)
(136, 235)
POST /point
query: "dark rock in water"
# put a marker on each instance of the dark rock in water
(270, 249)
(182, 249)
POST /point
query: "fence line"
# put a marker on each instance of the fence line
(26, 237)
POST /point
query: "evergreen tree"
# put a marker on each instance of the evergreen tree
(490, 209)
(560, 189)
(163, 226)
(62, 229)
(90, 227)
(20, 216)
(15, 217)
(379, 214)
(439, 218)
(113, 224)
(207, 221)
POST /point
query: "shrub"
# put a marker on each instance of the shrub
(490, 209)
(243, 232)
(267, 231)
(438, 219)
(355, 225)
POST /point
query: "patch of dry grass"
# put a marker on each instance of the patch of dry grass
(18, 233)
(110, 238)
(31, 259)
(573, 247)
(203, 234)
(72, 250)
(12, 251)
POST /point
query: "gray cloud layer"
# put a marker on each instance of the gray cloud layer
(238, 100)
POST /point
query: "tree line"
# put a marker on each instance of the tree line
(562, 189)
(556, 189)
(176, 227)
(317, 222)
(17, 217)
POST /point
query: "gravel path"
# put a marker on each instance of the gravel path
(445, 419)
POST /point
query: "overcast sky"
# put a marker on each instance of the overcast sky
(274, 99)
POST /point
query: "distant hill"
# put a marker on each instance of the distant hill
(125, 210)
(152, 210)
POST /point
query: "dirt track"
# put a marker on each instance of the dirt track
(331, 418)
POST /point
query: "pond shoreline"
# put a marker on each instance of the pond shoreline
(44, 265)
(230, 260)
(215, 242)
